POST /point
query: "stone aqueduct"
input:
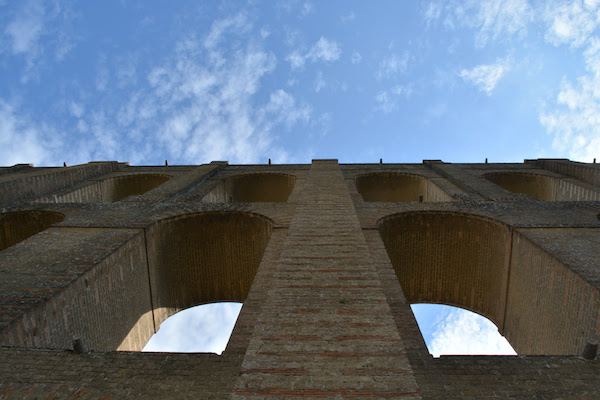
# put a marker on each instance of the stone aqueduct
(326, 258)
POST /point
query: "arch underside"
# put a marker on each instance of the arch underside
(543, 187)
(398, 187)
(19, 225)
(539, 187)
(479, 264)
(252, 188)
(204, 258)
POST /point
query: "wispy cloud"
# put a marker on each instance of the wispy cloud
(319, 82)
(348, 17)
(203, 100)
(491, 19)
(571, 23)
(485, 77)
(307, 8)
(575, 120)
(323, 50)
(387, 100)
(464, 332)
(199, 103)
(22, 140)
(393, 65)
(27, 26)
(575, 123)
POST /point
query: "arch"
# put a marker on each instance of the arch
(450, 258)
(397, 186)
(204, 258)
(538, 186)
(262, 187)
(120, 187)
(19, 225)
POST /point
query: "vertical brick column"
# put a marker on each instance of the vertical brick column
(325, 329)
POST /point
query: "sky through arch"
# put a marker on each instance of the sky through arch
(451, 330)
(200, 329)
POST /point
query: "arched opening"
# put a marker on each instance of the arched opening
(540, 187)
(204, 258)
(200, 329)
(479, 264)
(396, 187)
(120, 187)
(262, 187)
(19, 225)
(450, 258)
(451, 330)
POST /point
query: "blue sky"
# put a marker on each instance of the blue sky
(191, 82)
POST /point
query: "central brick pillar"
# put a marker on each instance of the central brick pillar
(325, 329)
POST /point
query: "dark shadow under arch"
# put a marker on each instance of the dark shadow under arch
(262, 187)
(203, 258)
(538, 186)
(450, 258)
(484, 266)
(397, 187)
(120, 187)
(19, 225)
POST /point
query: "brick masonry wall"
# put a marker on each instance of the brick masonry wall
(588, 173)
(325, 315)
(326, 329)
(508, 377)
(29, 185)
(53, 292)
(553, 299)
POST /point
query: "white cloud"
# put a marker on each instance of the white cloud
(575, 124)
(283, 108)
(393, 65)
(26, 27)
(348, 17)
(575, 121)
(22, 140)
(323, 50)
(496, 18)
(433, 12)
(387, 100)
(296, 59)
(571, 23)
(491, 19)
(356, 57)
(464, 332)
(485, 77)
(307, 8)
(206, 108)
(76, 109)
(319, 82)
(200, 104)
(238, 23)
(36, 29)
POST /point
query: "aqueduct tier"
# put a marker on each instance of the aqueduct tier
(327, 260)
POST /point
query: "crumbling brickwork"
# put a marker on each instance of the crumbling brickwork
(326, 258)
